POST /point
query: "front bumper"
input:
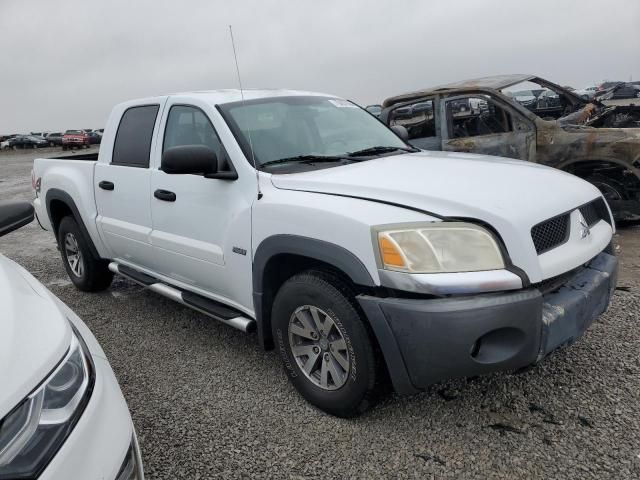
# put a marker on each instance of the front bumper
(99, 443)
(425, 341)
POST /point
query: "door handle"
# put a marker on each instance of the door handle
(106, 185)
(165, 195)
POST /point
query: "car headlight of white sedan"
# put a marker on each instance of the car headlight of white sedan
(443, 247)
(32, 433)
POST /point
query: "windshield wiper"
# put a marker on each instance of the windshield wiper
(379, 149)
(305, 159)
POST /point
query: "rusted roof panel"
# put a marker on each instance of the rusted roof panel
(496, 82)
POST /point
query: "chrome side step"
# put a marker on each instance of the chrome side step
(209, 307)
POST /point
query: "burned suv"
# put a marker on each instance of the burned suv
(558, 128)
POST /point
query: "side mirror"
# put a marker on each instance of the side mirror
(401, 132)
(14, 215)
(185, 159)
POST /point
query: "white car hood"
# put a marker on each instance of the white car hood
(34, 335)
(510, 195)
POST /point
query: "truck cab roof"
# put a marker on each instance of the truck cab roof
(217, 97)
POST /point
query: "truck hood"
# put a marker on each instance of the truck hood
(510, 195)
(34, 335)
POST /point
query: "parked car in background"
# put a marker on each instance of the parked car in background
(94, 138)
(4, 145)
(54, 139)
(548, 105)
(620, 91)
(62, 414)
(374, 109)
(75, 139)
(607, 85)
(596, 142)
(588, 93)
(526, 98)
(27, 141)
(352, 253)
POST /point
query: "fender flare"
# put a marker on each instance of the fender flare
(326, 252)
(64, 197)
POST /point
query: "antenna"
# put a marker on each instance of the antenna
(253, 157)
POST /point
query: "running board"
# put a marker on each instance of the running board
(213, 309)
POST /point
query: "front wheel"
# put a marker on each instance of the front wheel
(324, 344)
(88, 273)
(614, 192)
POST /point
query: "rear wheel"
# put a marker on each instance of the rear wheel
(324, 344)
(87, 272)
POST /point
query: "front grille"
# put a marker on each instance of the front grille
(550, 233)
(595, 211)
(555, 231)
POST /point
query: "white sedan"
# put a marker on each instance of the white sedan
(62, 414)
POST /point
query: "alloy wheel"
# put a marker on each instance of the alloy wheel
(319, 348)
(73, 254)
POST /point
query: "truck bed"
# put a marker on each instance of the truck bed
(92, 157)
(70, 175)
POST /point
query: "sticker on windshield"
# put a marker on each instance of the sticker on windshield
(338, 102)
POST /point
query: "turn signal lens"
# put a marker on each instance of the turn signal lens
(390, 253)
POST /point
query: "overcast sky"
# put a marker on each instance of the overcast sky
(66, 63)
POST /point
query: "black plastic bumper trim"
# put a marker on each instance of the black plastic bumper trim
(426, 341)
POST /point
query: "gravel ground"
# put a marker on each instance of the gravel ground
(208, 403)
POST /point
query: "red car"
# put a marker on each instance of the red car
(75, 138)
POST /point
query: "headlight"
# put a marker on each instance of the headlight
(131, 469)
(438, 248)
(34, 431)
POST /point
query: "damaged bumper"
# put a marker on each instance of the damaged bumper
(425, 341)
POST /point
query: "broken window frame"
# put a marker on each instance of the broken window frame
(520, 121)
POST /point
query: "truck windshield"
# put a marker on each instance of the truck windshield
(307, 129)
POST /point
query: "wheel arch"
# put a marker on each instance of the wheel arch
(591, 164)
(60, 204)
(618, 182)
(279, 257)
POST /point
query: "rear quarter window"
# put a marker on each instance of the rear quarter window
(132, 145)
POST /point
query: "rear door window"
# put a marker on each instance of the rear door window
(133, 140)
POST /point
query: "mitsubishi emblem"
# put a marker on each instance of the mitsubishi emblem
(585, 231)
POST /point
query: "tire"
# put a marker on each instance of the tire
(339, 391)
(88, 273)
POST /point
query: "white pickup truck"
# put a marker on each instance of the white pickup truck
(355, 255)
